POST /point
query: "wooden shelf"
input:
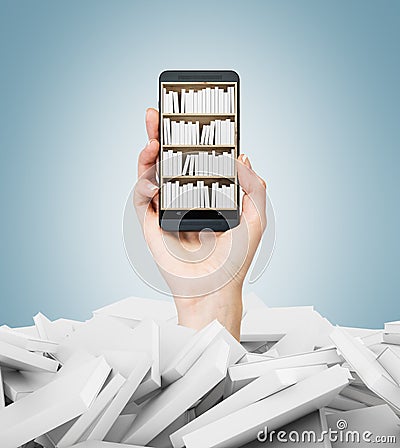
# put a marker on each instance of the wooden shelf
(203, 119)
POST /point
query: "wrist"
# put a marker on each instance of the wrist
(225, 305)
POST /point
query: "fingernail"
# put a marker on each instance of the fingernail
(151, 140)
(246, 160)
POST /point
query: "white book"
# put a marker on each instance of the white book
(392, 327)
(201, 163)
(391, 338)
(195, 103)
(195, 197)
(190, 101)
(190, 133)
(169, 195)
(213, 201)
(179, 170)
(204, 100)
(191, 165)
(58, 402)
(212, 101)
(183, 96)
(221, 101)
(203, 134)
(199, 101)
(363, 361)
(98, 444)
(190, 194)
(232, 163)
(190, 352)
(185, 196)
(202, 195)
(216, 100)
(260, 388)
(173, 132)
(240, 427)
(165, 135)
(207, 136)
(390, 361)
(194, 133)
(177, 194)
(362, 395)
(164, 195)
(176, 102)
(180, 205)
(164, 101)
(208, 100)
(217, 132)
(297, 329)
(228, 131)
(114, 409)
(174, 163)
(232, 195)
(160, 412)
(186, 134)
(197, 133)
(168, 131)
(164, 163)
(232, 99)
(223, 133)
(225, 159)
(186, 165)
(80, 426)
(170, 102)
(211, 136)
(226, 103)
(170, 162)
(220, 165)
(18, 383)
(206, 197)
(210, 165)
(20, 359)
(232, 133)
(31, 343)
(118, 429)
(181, 132)
(242, 374)
(214, 164)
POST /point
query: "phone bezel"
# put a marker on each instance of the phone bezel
(197, 220)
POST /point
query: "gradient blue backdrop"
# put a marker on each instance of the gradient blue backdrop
(320, 121)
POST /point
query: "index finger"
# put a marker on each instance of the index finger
(148, 157)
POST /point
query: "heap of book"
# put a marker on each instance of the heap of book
(130, 376)
(198, 139)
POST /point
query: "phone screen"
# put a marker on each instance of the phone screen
(199, 145)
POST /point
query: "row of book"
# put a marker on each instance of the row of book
(218, 132)
(203, 163)
(214, 100)
(190, 195)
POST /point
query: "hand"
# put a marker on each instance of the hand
(204, 270)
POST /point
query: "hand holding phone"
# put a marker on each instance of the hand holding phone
(205, 271)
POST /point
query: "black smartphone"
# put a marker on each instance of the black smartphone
(199, 144)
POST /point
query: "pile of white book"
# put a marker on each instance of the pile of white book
(190, 195)
(202, 163)
(218, 132)
(211, 100)
(130, 376)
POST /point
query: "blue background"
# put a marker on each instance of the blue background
(320, 122)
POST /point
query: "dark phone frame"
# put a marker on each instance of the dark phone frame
(197, 220)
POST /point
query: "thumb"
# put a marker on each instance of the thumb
(254, 187)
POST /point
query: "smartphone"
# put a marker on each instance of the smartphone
(199, 144)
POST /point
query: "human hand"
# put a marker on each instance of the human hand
(204, 270)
